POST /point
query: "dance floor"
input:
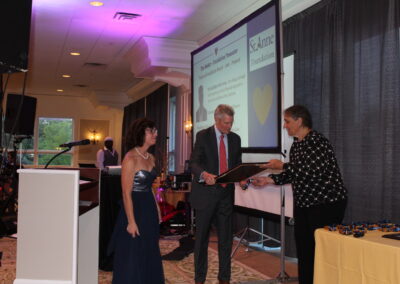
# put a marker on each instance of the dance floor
(247, 265)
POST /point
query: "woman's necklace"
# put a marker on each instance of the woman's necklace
(141, 155)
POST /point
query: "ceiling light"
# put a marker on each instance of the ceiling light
(96, 3)
(60, 90)
(66, 76)
(75, 53)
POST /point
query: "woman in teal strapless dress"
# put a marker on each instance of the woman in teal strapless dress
(137, 258)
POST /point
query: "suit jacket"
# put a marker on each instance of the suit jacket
(205, 158)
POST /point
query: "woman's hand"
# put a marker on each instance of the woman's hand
(262, 181)
(133, 229)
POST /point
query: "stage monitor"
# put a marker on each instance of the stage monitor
(20, 115)
(242, 68)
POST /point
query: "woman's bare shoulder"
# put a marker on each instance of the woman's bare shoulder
(131, 160)
(131, 156)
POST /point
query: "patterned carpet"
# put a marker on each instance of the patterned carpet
(176, 272)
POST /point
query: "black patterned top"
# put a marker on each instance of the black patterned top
(313, 172)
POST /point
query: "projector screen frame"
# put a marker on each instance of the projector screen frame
(278, 49)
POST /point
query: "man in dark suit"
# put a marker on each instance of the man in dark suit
(216, 150)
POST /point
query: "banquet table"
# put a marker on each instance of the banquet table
(341, 259)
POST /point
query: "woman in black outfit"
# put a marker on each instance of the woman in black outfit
(319, 194)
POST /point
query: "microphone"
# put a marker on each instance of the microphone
(75, 143)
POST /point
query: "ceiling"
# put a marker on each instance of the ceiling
(102, 71)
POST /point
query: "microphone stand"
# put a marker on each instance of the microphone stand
(62, 152)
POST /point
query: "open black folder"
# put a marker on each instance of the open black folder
(240, 172)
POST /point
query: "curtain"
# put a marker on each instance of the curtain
(157, 111)
(155, 107)
(347, 62)
(131, 112)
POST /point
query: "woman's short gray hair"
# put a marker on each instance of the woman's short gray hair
(299, 111)
(223, 109)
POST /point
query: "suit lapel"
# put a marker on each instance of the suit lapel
(213, 147)
(230, 152)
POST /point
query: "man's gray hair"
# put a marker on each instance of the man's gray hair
(223, 109)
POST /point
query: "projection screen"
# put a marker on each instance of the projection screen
(242, 68)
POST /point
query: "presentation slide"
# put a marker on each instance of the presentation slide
(240, 68)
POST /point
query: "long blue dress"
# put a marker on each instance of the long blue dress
(138, 260)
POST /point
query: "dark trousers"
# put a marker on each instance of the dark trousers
(218, 212)
(307, 220)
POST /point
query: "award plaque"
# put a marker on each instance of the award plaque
(240, 172)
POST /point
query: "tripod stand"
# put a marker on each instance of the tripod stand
(246, 230)
(282, 277)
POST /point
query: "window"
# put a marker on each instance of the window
(51, 133)
(38, 150)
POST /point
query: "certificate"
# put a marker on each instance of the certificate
(240, 172)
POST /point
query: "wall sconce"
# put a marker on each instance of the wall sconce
(188, 126)
(94, 136)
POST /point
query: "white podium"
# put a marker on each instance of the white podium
(57, 238)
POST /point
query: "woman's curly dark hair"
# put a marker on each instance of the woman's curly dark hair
(137, 132)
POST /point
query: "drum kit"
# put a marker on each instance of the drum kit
(9, 188)
(8, 196)
(175, 212)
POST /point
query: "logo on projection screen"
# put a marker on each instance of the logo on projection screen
(262, 101)
(262, 49)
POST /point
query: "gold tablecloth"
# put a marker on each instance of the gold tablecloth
(341, 259)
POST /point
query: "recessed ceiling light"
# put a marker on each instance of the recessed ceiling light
(66, 76)
(60, 90)
(75, 53)
(96, 3)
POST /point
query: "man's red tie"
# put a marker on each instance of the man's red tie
(222, 157)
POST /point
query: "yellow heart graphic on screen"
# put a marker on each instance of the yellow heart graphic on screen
(262, 101)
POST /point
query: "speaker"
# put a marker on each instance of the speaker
(15, 23)
(26, 122)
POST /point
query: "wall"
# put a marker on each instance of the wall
(86, 128)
